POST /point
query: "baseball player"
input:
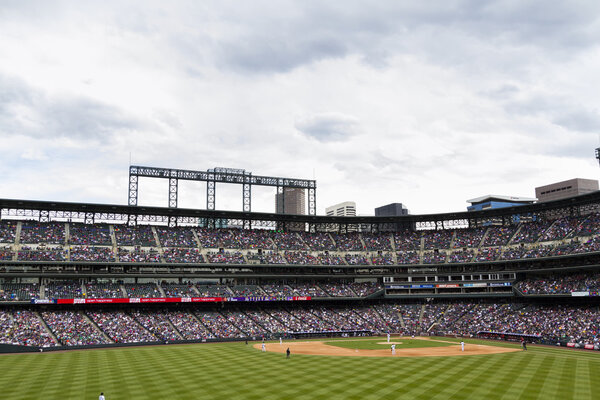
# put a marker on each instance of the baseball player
(393, 349)
(280, 341)
(462, 346)
(388, 336)
(264, 348)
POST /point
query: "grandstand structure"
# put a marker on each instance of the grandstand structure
(80, 274)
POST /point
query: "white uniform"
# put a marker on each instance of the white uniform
(388, 337)
(101, 397)
(393, 349)
(280, 341)
(264, 348)
(462, 346)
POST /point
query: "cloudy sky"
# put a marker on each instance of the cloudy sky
(390, 101)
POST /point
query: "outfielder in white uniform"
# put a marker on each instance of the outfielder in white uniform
(264, 347)
(393, 349)
(462, 346)
(388, 335)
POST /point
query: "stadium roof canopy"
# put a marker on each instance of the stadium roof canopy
(21, 208)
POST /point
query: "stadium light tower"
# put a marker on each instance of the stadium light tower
(598, 154)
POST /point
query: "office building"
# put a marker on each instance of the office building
(345, 209)
(565, 189)
(291, 201)
(391, 210)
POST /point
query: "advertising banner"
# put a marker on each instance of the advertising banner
(580, 294)
(148, 300)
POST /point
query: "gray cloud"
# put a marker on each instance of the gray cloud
(559, 110)
(30, 112)
(285, 35)
(328, 127)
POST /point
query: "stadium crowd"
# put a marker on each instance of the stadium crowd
(70, 328)
(77, 242)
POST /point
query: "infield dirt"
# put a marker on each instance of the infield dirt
(322, 349)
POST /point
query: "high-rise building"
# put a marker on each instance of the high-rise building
(345, 209)
(391, 210)
(562, 190)
(291, 201)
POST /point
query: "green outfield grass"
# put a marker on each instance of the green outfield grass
(237, 371)
(380, 343)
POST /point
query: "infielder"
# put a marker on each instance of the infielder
(388, 336)
(393, 349)
(264, 348)
(462, 346)
(280, 341)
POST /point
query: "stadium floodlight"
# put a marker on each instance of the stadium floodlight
(598, 154)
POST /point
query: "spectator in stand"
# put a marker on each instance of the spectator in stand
(121, 327)
(179, 290)
(356, 259)
(407, 241)
(225, 257)
(41, 253)
(176, 237)
(438, 239)
(188, 326)
(300, 258)
(42, 232)
(330, 259)
(72, 328)
(408, 257)
(138, 255)
(219, 325)
(63, 290)
(318, 241)
(349, 242)
(182, 255)
(19, 291)
(89, 234)
(289, 241)
(140, 235)
(158, 323)
(468, 237)
(434, 257)
(8, 231)
(499, 235)
(6, 253)
(24, 328)
(530, 232)
(487, 254)
(92, 254)
(382, 259)
(377, 242)
(140, 290)
(560, 228)
(461, 256)
(561, 284)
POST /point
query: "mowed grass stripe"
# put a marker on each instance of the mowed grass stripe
(477, 379)
(237, 371)
(461, 367)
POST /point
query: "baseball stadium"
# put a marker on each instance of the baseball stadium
(142, 302)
